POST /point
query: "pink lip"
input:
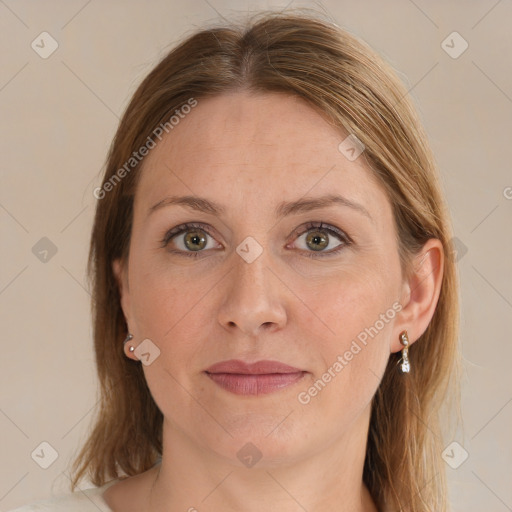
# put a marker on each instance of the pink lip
(253, 379)
(257, 368)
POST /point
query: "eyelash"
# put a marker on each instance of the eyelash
(319, 226)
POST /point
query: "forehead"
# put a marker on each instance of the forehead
(238, 143)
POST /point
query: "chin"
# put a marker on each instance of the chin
(260, 441)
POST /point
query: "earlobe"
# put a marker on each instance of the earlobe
(129, 347)
(421, 293)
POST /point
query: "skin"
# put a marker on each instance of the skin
(249, 153)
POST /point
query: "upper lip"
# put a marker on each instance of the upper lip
(257, 368)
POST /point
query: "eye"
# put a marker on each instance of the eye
(194, 241)
(318, 237)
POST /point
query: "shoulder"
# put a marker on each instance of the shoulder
(80, 501)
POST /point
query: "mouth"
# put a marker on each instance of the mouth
(258, 378)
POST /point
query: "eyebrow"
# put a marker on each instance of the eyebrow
(283, 209)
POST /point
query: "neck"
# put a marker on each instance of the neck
(195, 478)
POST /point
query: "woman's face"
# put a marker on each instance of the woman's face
(255, 281)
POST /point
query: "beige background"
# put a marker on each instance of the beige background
(58, 117)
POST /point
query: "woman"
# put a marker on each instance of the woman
(275, 298)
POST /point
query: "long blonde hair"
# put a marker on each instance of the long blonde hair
(304, 55)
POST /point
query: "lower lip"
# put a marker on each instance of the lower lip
(243, 384)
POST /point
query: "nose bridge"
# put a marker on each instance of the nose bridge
(252, 297)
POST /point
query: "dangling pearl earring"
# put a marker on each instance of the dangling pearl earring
(128, 338)
(404, 340)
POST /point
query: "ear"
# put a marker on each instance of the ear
(121, 275)
(420, 293)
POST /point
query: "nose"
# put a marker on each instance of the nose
(253, 298)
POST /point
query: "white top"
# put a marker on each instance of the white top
(88, 500)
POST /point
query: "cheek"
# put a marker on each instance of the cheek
(169, 313)
(163, 304)
(354, 318)
(352, 300)
(352, 352)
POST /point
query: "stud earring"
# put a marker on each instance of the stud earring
(404, 340)
(128, 338)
